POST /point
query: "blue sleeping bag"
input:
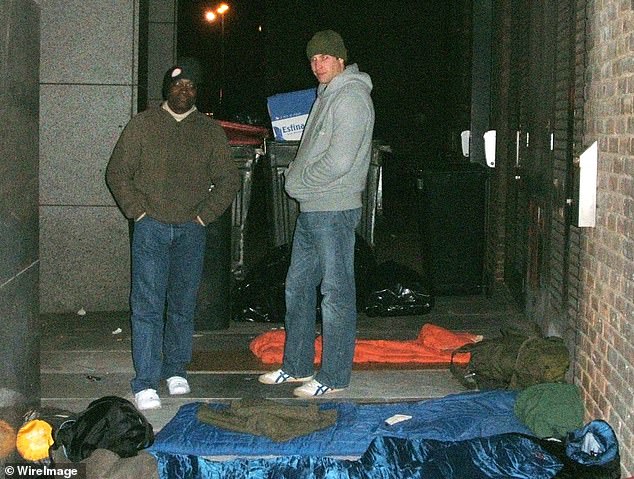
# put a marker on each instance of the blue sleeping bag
(454, 417)
(497, 457)
(590, 452)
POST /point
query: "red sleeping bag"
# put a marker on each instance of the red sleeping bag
(433, 345)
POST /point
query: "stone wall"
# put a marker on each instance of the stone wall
(94, 55)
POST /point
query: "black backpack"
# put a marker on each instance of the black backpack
(112, 423)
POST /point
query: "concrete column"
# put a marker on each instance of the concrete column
(19, 255)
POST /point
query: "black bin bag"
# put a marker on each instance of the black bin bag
(260, 296)
(396, 290)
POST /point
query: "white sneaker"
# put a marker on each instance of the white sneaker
(178, 385)
(147, 399)
(313, 389)
(279, 377)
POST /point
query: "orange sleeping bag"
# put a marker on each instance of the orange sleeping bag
(433, 345)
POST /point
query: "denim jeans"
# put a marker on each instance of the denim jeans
(167, 262)
(322, 254)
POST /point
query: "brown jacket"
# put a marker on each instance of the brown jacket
(173, 171)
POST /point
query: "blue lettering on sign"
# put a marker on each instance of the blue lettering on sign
(292, 128)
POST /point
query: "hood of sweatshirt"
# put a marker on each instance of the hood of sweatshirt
(350, 74)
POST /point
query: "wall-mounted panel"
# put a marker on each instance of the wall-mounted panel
(85, 260)
(77, 138)
(87, 41)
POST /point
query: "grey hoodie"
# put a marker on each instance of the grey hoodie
(330, 169)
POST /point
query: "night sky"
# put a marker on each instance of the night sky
(416, 53)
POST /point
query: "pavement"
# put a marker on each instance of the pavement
(86, 357)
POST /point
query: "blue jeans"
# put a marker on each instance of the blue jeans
(167, 263)
(323, 253)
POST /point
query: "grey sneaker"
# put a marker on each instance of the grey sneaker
(279, 377)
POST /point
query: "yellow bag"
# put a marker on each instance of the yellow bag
(34, 439)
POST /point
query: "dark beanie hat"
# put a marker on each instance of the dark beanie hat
(187, 70)
(327, 42)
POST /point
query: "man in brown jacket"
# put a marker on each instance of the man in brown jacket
(172, 173)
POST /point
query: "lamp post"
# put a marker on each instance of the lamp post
(211, 16)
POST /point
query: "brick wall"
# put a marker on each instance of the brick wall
(587, 276)
(605, 344)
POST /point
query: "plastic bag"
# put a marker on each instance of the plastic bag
(396, 290)
(260, 296)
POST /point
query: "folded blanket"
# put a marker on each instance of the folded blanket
(264, 417)
(433, 345)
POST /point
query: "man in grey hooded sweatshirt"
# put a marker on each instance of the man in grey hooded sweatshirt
(327, 178)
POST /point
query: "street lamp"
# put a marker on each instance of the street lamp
(211, 15)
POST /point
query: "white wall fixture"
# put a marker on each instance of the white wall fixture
(588, 162)
(489, 148)
(465, 138)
